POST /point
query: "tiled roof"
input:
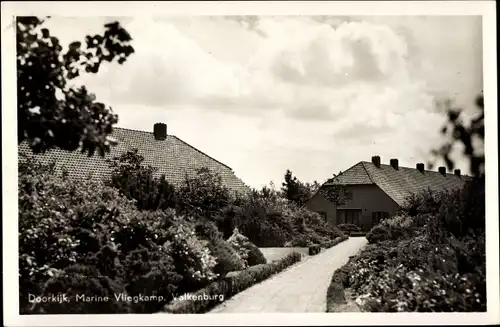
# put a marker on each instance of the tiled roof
(172, 157)
(400, 183)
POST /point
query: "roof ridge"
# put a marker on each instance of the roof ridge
(131, 129)
(425, 170)
(367, 172)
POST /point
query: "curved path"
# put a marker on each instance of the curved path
(301, 288)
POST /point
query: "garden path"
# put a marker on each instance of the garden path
(301, 288)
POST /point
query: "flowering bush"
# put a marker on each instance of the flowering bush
(192, 256)
(228, 258)
(246, 249)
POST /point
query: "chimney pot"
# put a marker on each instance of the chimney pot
(442, 170)
(457, 172)
(420, 167)
(395, 163)
(160, 131)
(376, 161)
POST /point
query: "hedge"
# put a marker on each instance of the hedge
(334, 242)
(219, 291)
(316, 248)
(335, 294)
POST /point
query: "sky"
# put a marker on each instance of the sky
(313, 94)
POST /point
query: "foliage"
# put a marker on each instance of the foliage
(433, 261)
(336, 241)
(349, 228)
(470, 137)
(246, 249)
(78, 280)
(136, 181)
(63, 223)
(297, 191)
(203, 194)
(228, 259)
(50, 113)
(193, 259)
(221, 290)
(337, 194)
(378, 234)
(314, 249)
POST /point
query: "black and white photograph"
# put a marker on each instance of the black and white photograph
(213, 162)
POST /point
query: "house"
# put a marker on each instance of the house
(378, 191)
(170, 155)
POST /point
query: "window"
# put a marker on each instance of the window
(378, 216)
(349, 216)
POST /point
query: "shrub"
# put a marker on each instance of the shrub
(245, 249)
(63, 223)
(315, 249)
(137, 181)
(210, 296)
(255, 256)
(151, 274)
(377, 234)
(227, 258)
(336, 241)
(349, 228)
(192, 256)
(86, 281)
(203, 194)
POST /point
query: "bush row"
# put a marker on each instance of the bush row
(267, 219)
(316, 248)
(207, 298)
(429, 258)
(85, 238)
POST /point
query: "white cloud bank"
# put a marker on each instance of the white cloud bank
(312, 94)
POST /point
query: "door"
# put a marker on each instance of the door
(349, 216)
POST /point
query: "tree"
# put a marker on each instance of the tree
(336, 193)
(50, 113)
(294, 190)
(471, 136)
(135, 180)
(203, 194)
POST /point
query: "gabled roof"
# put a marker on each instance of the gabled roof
(400, 183)
(172, 157)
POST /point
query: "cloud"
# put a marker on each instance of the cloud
(313, 94)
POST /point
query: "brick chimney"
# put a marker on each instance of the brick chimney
(420, 167)
(395, 163)
(442, 170)
(457, 172)
(376, 161)
(160, 131)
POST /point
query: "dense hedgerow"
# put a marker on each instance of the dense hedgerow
(263, 216)
(430, 258)
(67, 226)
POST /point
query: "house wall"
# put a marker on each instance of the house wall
(369, 198)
